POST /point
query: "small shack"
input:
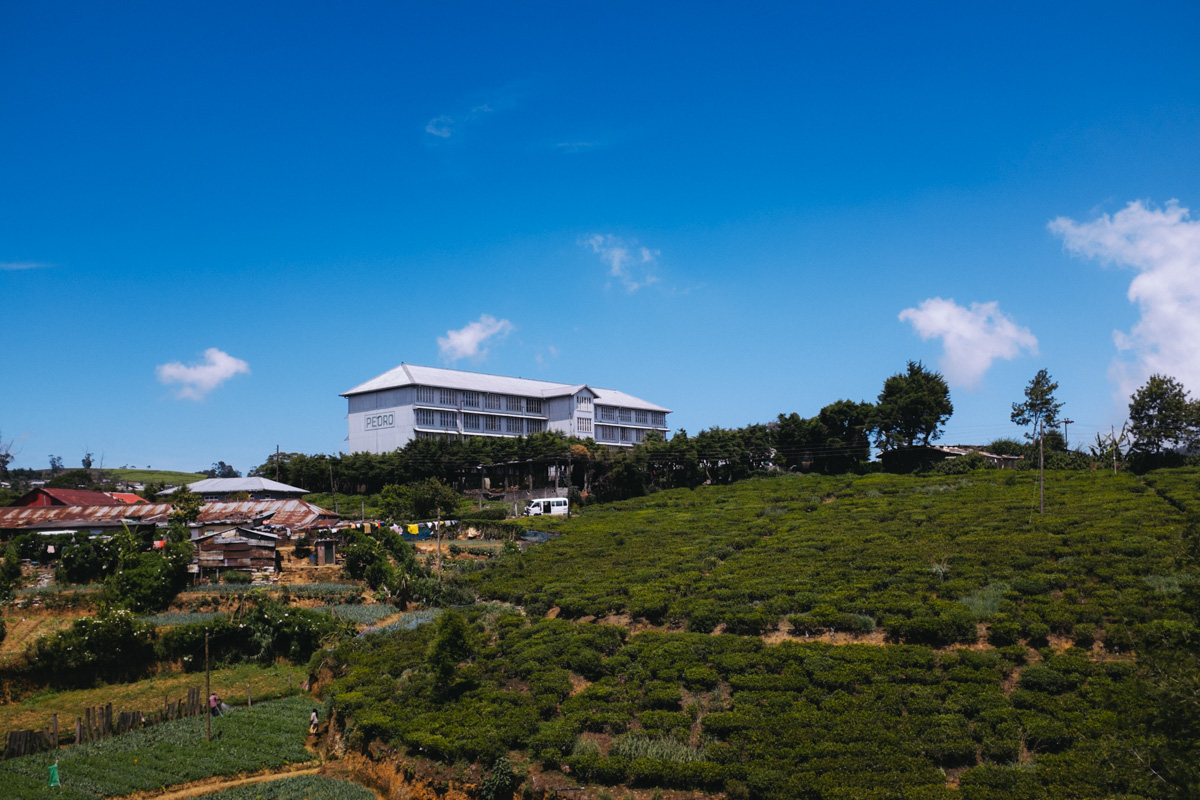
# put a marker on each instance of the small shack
(243, 549)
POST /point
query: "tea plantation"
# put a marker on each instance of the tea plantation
(981, 650)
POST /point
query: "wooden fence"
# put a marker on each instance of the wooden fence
(101, 722)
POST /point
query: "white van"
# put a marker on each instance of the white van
(546, 506)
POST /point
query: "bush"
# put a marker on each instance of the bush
(235, 577)
(112, 647)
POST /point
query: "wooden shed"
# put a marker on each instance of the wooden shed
(243, 549)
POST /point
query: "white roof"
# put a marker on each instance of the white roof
(230, 485)
(413, 375)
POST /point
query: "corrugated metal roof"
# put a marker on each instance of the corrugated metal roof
(73, 497)
(413, 375)
(230, 485)
(296, 514)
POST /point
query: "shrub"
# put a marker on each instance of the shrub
(235, 577)
(114, 646)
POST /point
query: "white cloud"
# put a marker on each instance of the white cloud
(16, 266)
(624, 259)
(442, 126)
(468, 342)
(198, 380)
(972, 338)
(1163, 246)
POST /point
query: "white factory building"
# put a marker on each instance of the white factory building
(412, 402)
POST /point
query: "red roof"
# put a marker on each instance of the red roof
(67, 497)
(127, 497)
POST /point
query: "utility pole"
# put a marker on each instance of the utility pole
(276, 462)
(207, 694)
(481, 487)
(1042, 467)
(1066, 432)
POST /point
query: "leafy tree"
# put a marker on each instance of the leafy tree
(87, 461)
(421, 500)
(1039, 408)
(56, 464)
(451, 646)
(221, 470)
(6, 455)
(847, 427)
(913, 406)
(1163, 417)
(185, 506)
(74, 479)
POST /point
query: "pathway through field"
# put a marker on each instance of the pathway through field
(219, 784)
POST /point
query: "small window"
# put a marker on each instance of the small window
(425, 394)
(492, 402)
(512, 403)
(583, 401)
(470, 399)
(471, 422)
(513, 425)
(449, 397)
(534, 426)
(641, 417)
(659, 419)
(584, 424)
(608, 413)
(491, 423)
(448, 419)
(424, 416)
(625, 415)
(533, 406)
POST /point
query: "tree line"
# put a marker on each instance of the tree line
(911, 409)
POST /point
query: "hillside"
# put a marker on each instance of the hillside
(878, 636)
(155, 476)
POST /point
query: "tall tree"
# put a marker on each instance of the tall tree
(1163, 417)
(1039, 407)
(912, 408)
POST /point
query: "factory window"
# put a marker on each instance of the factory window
(513, 425)
(626, 435)
(533, 406)
(535, 425)
(449, 419)
(641, 417)
(424, 416)
(492, 401)
(470, 399)
(626, 415)
(512, 403)
(470, 421)
(582, 401)
(606, 433)
(659, 419)
(491, 423)
(424, 394)
(449, 397)
(584, 424)
(608, 413)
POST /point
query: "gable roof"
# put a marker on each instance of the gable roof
(69, 497)
(414, 375)
(230, 485)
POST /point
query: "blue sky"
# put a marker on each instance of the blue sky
(215, 217)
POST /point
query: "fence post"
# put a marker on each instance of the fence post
(54, 728)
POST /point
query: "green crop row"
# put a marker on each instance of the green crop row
(301, 787)
(268, 735)
(924, 558)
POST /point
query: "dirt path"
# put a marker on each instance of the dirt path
(219, 783)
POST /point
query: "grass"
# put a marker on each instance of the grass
(156, 476)
(148, 695)
(269, 735)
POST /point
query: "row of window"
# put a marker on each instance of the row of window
(612, 433)
(484, 400)
(428, 418)
(638, 417)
